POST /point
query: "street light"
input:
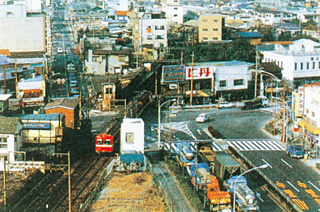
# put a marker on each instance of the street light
(235, 182)
(159, 109)
(261, 81)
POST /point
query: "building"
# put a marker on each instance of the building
(307, 103)
(132, 136)
(32, 92)
(229, 79)
(173, 10)
(4, 103)
(22, 31)
(69, 108)
(210, 27)
(42, 128)
(300, 61)
(149, 30)
(10, 137)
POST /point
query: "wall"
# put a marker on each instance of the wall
(312, 104)
(135, 142)
(210, 27)
(23, 34)
(69, 114)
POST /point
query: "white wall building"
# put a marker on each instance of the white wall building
(132, 136)
(299, 61)
(152, 30)
(34, 6)
(230, 75)
(312, 104)
(173, 10)
(19, 32)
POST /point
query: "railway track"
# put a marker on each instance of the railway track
(51, 193)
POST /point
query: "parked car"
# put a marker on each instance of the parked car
(295, 150)
(202, 118)
(225, 104)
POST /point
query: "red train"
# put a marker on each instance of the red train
(104, 143)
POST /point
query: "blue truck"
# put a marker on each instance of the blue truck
(295, 150)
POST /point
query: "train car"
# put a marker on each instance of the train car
(104, 143)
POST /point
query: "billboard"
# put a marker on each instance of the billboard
(200, 72)
(174, 73)
(300, 99)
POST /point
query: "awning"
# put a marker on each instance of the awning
(302, 123)
(312, 129)
(309, 127)
(202, 94)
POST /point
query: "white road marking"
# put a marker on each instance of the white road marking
(286, 163)
(313, 185)
(293, 186)
(267, 163)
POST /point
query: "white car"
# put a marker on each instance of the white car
(225, 104)
(202, 118)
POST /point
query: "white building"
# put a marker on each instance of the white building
(132, 136)
(10, 138)
(173, 10)
(299, 62)
(230, 75)
(152, 30)
(310, 122)
(21, 32)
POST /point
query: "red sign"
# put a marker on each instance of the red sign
(199, 72)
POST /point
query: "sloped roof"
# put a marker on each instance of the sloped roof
(64, 102)
(8, 125)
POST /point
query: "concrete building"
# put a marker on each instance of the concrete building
(173, 10)
(150, 31)
(21, 32)
(132, 136)
(210, 27)
(300, 61)
(308, 112)
(4, 103)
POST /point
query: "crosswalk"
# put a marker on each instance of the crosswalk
(253, 145)
(241, 145)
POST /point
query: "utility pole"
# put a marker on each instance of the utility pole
(191, 94)
(4, 185)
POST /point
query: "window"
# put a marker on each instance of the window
(157, 27)
(238, 82)
(3, 143)
(149, 37)
(204, 38)
(162, 27)
(205, 29)
(295, 66)
(313, 65)
(223, 83)
(175, 8)
(215, 20)
(307, 65)
(129, 138)
(204, 20)
(312, 114)
(175, 15)
(311, 58)
(301, 66)
(215, 29)
(307, 111)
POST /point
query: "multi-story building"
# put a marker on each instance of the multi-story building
(307, 113)
(22, 31)
(173, 10)
(150, 30)
(210, 27)
(300, 61)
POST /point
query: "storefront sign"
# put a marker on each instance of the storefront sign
(174, 73)
(199, 72)
(33, 126)
(300, 99)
